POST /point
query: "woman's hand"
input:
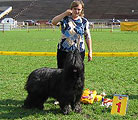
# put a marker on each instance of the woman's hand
(89, 56)
(68, 12)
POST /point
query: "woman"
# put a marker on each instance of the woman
(73, 26)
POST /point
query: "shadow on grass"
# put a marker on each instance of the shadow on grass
(11, 109)
(130, 96)
(133, 97)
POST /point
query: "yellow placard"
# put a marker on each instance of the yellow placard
(119, 105)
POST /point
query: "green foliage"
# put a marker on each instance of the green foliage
(114, 75)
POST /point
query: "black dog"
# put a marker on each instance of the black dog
(65, 85)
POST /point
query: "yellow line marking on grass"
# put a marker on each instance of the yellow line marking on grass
(28, 53)
(97, 54)
(115, 54)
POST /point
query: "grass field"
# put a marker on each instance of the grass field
(113, 75)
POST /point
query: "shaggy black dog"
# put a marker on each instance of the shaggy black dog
(65, 85)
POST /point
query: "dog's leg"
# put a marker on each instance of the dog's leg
(75, 105)
(29, 102)
(33, 101)
(41, 101)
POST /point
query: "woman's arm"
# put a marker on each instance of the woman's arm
(58, 18)
(89, 45)
(88, 41)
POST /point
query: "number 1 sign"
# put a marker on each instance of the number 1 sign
(119, 105)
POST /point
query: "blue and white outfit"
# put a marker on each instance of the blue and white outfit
(72, 34)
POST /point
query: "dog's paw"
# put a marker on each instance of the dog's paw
(78, 108)
(66, 110)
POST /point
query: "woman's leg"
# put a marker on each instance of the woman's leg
(82, 55)
(61, 56)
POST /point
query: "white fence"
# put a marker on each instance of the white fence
(99, 26)
(103, 26)
(10, 26)
(6, 26)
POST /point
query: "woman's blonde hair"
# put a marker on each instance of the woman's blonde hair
(76, 3)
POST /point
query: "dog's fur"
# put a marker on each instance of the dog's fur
(65, 85)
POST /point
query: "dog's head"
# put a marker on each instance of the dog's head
(74, 63)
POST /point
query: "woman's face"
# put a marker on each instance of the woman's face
(76, 11)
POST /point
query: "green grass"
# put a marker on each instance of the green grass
(114, 75)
